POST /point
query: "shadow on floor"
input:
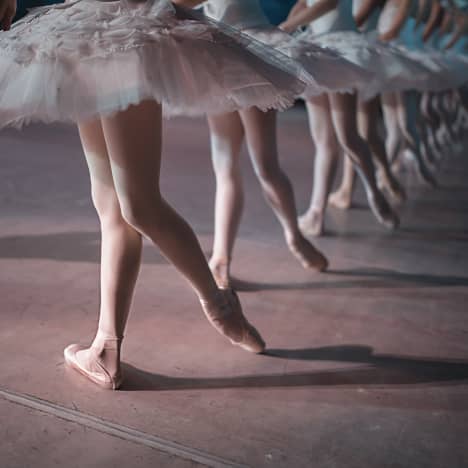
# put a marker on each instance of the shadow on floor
(455, 234)
(378, 370)
(359, 278)
(64, 246)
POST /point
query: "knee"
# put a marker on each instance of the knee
(325, 140)
(140, 212)
(267, 173)
(225, 159)
(226, 167)
(350, 141)
(107, 205)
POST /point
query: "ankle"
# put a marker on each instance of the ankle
(105, 340)
(219, 261)
(293, 237)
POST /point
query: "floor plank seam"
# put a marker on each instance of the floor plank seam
(118, 430)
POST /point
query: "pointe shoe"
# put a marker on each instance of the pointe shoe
(378, 204)
(90, 361)
(422, 172)
(383, 211)
(225, 314)
(307, 254)
(392, 187)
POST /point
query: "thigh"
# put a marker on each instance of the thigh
(226, 131)
(260, 132)
(133, 140)
(95, 150)
(102, 184)
(320, 121)
(368, 115)
(344, 112)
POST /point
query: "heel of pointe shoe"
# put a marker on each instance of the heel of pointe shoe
(225, 315)
(90, 367)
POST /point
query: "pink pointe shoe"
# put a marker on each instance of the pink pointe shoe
(225, 314)
(100, 363)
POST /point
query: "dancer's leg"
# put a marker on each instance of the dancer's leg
(120, 263)
(120, 244)
(408, 112)
(135, 164)
(226, 136)
(326, 154)
(427, 123)
(368, 115)
(260, 130)
(133, 142)
(394, 139)
(343, 111)
(342, 197)
(432, 128)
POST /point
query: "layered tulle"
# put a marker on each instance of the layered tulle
(390, 69)
(86, 58)
(447, 70)
(329, 69)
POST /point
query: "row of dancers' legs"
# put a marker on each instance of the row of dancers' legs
(334, 128)
(123, 153)
(367, 120)
(421, 126)
(403, 127)
(227, 133)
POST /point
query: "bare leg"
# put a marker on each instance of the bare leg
(326, 154)
(135, 167)
(368, 114)
(427, 122)
(132, 148)
(393, 141)
(120, 259)
(408, 110)
(344, 108)
(226, 134)
(260, 130)
(342, 198)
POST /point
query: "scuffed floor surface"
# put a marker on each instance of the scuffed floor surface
(367, 365)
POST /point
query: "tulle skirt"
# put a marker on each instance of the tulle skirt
(330, 70)
(390, 69)
(85, 58)
(448, 70)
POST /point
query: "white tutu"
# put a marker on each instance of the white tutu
(85, 58)
(391, 69)
(329, 69)
(448, 70)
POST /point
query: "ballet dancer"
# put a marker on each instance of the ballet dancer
(66, 56)
(404, 113)
(332, 116)
(228, 130)
(369, 18)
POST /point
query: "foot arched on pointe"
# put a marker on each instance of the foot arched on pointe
(312, 223)
(423, 174)
(382, 210)
(391, 185)
(307, 254)
(224, 312)
(99, 363)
